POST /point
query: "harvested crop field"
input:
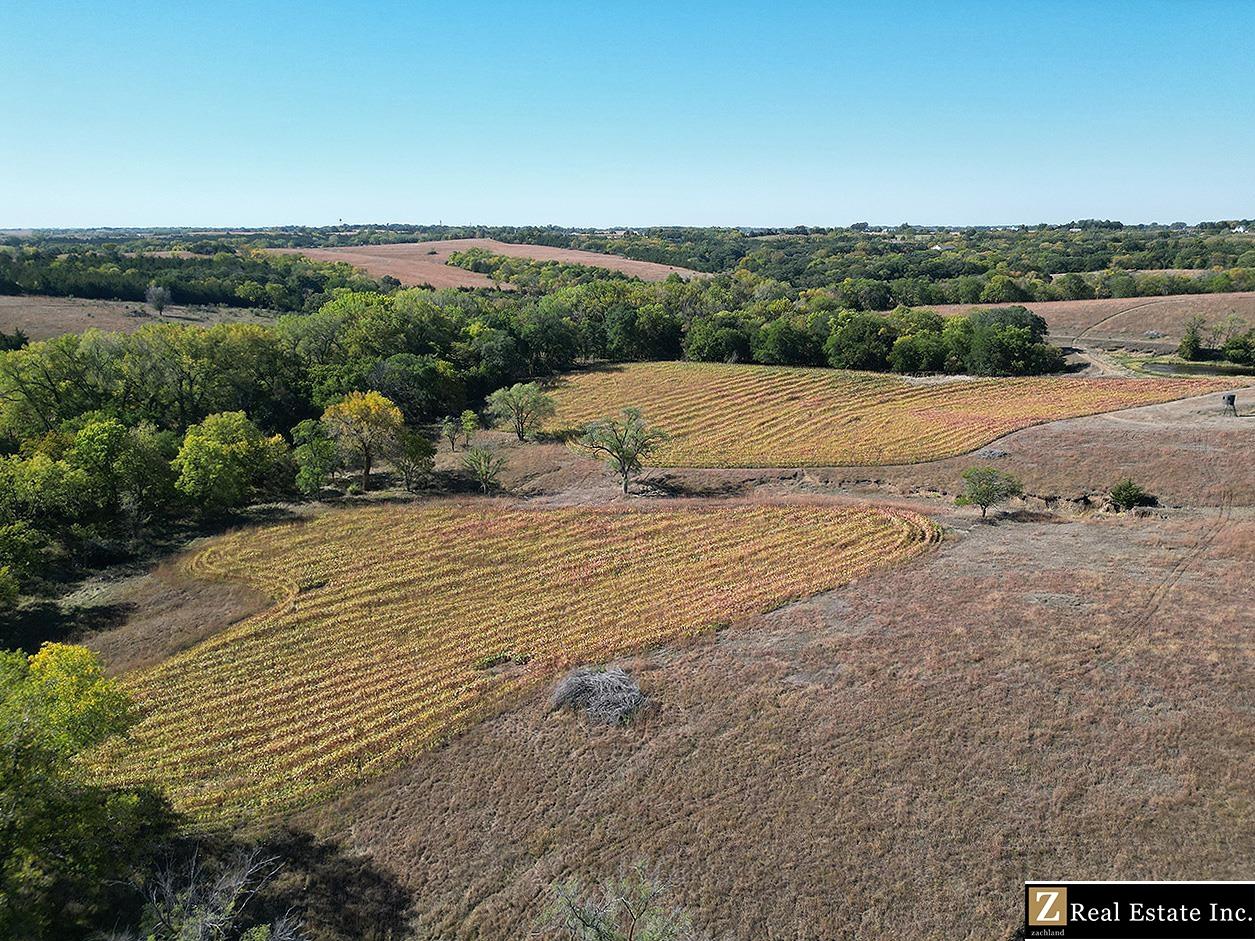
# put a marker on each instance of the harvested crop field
(1186, 452)
(395, 627)
(43, 317)
(1035, 697)
(765, 416)
(1115, 320)
(423, 263)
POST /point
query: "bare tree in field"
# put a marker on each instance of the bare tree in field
(158, 297)
(623, 443)
(634, 907)
(209, 904)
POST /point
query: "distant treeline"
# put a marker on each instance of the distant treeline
(872, 269)
(538, 277)
(231, 277)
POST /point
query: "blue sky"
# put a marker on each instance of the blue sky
(605, 113)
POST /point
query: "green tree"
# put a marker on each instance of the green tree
(523, 406)
(225, 461)
(623, 443)
(987, 486)
(1191, 345)
(10, 587)
(718, 339)
(449, 430)
(1127, 494)
(365, 424)
(470, 425)
(413, 454)
(67, 844)
(484, 466)
(421, 386)
(785, 341)
(315, 454)
(22, 551)
(861, 341)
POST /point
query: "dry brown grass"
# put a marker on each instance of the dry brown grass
(1127, 319)
(43, 317)
(1038, 699)
(171, 611)
(423, 263)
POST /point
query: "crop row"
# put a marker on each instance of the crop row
(761, 416)
(370, 653)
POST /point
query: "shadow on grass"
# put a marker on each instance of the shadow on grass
(335, 895)
(31, 625)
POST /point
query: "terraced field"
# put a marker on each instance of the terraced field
(765, 416)
(387, 619)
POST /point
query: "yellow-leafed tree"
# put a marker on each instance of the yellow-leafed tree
(364, 423)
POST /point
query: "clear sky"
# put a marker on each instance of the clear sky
(625, 113)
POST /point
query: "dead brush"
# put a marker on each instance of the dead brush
(607, 697)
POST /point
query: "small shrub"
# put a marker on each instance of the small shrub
(354, 490)
(504, 656)
(607, 696)
(1126, 495)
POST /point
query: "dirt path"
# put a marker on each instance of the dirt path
(1118, 313)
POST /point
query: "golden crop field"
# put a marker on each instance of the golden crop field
(723, 415)
(384, 617)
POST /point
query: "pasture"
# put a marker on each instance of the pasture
(395, 627)
(1117, 320)
(43, 317)
(764, 416)
(420, 263)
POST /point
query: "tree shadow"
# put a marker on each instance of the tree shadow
(335, 895)
(339, 896)
(29, 626)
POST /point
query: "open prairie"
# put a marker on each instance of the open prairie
(419, 263)
(1037, 696)
(1116, 320)
(395, 627)
(723, 415)
(43, 317)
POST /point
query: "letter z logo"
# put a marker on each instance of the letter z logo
(1048, 906)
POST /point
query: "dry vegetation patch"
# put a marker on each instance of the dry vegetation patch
(766, 416)
(395, 627)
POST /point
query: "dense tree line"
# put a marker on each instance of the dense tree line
(536, 277)
(241, 278)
